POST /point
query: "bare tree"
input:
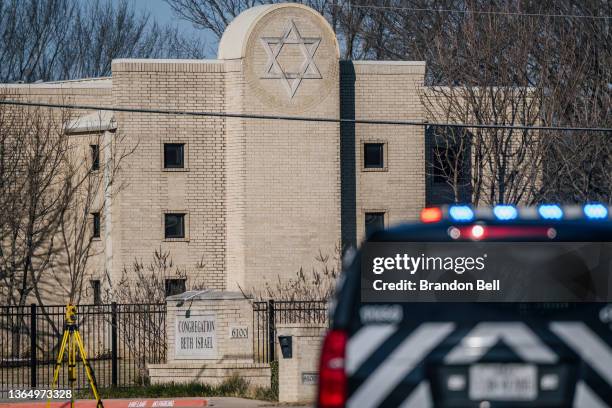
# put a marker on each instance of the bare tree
(48, 189)
(514, 63)
(31, 36)
(573, 65)
(449, 159)
(98, 185)
(214, 16)
(141, 288)
(35, 188)
(317, 284)
(146, 283)
(211, 15)
(494, 87)
(66, 39)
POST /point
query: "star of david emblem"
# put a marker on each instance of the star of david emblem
(307, 45)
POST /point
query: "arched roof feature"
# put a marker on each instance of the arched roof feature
(235, 38)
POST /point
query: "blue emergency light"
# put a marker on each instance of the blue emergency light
(595, 211)
(461, 213)
(504, 212)
(550, 212)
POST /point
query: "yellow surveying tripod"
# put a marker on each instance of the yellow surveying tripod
(72, 342)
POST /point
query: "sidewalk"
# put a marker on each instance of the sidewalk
(227, 402)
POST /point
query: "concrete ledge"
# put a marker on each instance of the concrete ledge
(382, 67)
(197, 365)
(85, 83)
(56, 92)
(257, 374)
(207, 295)
(167, 65)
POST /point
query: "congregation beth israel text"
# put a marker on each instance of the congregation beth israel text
(413, 264)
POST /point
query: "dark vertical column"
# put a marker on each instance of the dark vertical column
(255, 334)
(114, 364)
(33, 361)
(271, 330)
(348, 170)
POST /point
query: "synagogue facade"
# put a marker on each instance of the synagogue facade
(240, 201)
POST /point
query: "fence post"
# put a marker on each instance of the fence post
(114, 364)
(33, 361)
(271, 330)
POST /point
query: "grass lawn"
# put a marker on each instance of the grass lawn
(232, 387)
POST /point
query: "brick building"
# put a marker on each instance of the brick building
(247, 200)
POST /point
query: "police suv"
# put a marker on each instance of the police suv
(475, 307)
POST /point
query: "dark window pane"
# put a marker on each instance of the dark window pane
(374, 222)
(373, 156)
(175, 225)
(97, 292)
(174, 155)
(175, 287)
(449, 160)
(95, 157)
(96, 225)
(446, 161)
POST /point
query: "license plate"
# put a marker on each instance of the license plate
(509, 382)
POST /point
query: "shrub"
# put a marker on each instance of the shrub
(274, 380)
(317, 284)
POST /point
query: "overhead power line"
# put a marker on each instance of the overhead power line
(302, 118)
(501, 13)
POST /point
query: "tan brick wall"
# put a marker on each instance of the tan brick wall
(382, 90)
(306, 342)
(283, 177)
(150, 190)
(97, 91)
(235, 160)
(262, 197)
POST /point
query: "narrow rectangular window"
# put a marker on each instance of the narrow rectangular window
(95, 227)
(174, 155)
(96, 291)
(374, 221)
(174, 287)
(373, 155)
(95, 156)
(174, 225)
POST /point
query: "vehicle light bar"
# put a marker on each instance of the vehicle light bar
(505, 212)
(432, 214)
(461, 213)
(550, 212)
(595, 211)
(479, 232)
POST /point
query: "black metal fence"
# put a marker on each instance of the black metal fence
(267, 314)
(119, 339)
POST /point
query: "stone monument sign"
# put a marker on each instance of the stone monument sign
(195, 336)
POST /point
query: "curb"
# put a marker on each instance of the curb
(113, 403)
